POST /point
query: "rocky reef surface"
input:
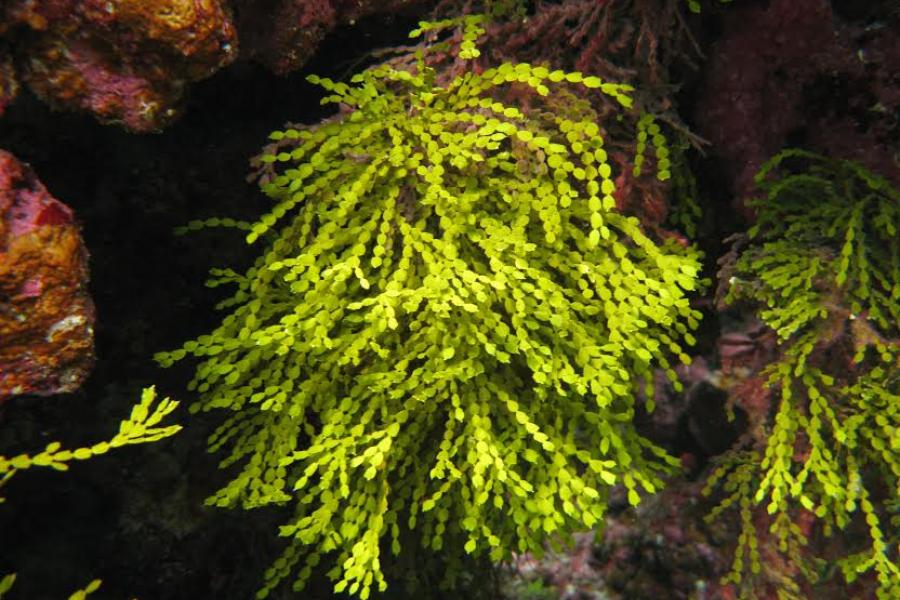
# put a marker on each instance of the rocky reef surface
(46, 312)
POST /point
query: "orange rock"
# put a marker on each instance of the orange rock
(46, 313)
(127, 62)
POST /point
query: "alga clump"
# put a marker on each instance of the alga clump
(821, 267)
(447, 325)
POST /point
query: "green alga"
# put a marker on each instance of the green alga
(447, 326)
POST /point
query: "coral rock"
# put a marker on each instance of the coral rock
(46, 314)
(665, 550)
(283, 34)
(124, 61)
(792, 72)
(9, 83)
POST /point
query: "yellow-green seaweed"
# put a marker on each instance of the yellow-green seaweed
(447, 326)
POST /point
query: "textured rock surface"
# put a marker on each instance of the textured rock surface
(283, 34)
(9, 83)
(46, 314)
(664, 549)
(792, 72)
(124, 61)
(129, 62)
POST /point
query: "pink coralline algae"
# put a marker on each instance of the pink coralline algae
(46, 313)
(283, 34)
(791, 72)
(125, 61)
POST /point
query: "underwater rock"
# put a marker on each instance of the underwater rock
(283, 34)
(9, 83)
(664, 548)
(46, 313)
(567, 575)
(792, 72)
(757, 71)
(125, 61)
